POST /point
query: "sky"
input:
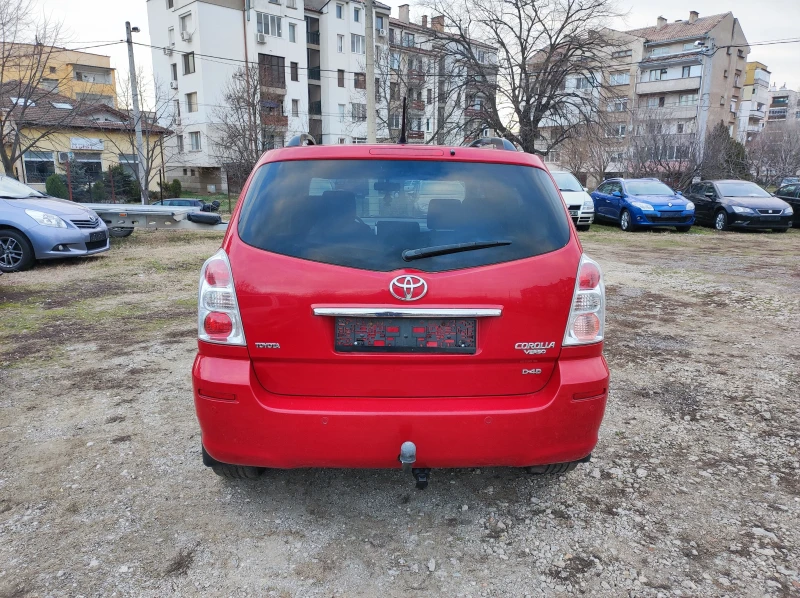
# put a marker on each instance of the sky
(763, 20)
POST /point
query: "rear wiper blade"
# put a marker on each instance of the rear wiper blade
(422, 252)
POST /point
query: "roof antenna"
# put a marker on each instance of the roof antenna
(402, 140)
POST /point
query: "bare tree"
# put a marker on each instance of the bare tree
(159, 119)
(248, 123)
(540, 47)
(28, 45)
(775, 153)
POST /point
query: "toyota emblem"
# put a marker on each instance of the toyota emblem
(408, 288)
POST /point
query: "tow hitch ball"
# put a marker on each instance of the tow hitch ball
(407, 457)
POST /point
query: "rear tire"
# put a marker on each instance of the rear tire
(237, 472)
(683, 229)
(16, 252)
(721, 221)
(582, 227)
(626, 222)
(553, 468)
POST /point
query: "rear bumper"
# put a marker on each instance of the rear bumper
(243, 424)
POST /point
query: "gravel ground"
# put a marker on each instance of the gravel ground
(694, 489)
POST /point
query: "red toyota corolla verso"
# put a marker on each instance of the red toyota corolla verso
(399, 306)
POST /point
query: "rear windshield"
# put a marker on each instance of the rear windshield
(365, 213)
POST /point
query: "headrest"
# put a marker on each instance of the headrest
(443, 214)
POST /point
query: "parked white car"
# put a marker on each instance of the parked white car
(577, 198)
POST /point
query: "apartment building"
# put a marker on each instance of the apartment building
(755, 101)
(677, 79)
(198, 46)
(784, 105)
(312, 74)
(77, 75)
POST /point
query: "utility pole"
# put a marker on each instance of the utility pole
(136, 115)
(370, 41)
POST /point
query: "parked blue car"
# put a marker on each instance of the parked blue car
(34, 227)
(642, 203)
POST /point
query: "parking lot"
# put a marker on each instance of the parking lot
(694, 488)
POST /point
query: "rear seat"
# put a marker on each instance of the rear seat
(444, 220)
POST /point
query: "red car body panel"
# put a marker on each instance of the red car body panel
(306, 405)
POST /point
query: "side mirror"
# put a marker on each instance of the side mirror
(618, 194)
(586, 189)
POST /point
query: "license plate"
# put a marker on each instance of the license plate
(405, 335)
(98, 236)
(574, 213)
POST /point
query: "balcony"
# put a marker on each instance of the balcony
(668, 85)
(418, 105)
(475, 112)
(416, 77)
(667, 112)
(315, 108)
(312, 38)
(274, 120)
(759, 114)
(314, 73)
(415, 135)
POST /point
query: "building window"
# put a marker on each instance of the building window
(174, 68)
(340, 77)
(294, 71)
(339, 11)
(428, 125)
(734, 102)
(176, 108)
(179, 139)
(736, 78)
(191, 102)
(295, 107)
(357, 45)
(408, 40)
(619, 130)
(680, 128)
(185, 172)
(378, 22)
(620, 78)
(686, 72)
(171, 37)
(662, 51)
(170, 4)
(272, 70)
(394, 60)
(52, 70)
(292, 32)
(274, 1)
(583, 83)
(186, 22)
(359, 112)
(188, 63)
(360, 81)
(291, 4)
(687, 99)
(342, 108)
(394, 91)
(357, 15)
(194, 141)
(394, 121)
(658, 74)
(430, 95)
(621, 53)
(340, 44)
(618, 105)
(38, 166)
(268, 24)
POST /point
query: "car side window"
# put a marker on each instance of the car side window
(696, 189)
(709, 191)
(603, 188)
(614, 187)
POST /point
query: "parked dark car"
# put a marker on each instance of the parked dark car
(739, 204)
(791, 195)
(645, 203)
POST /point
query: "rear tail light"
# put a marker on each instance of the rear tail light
(587, 317)
(218, 319)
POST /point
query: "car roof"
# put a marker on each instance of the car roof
(401, 152)
(726, 181)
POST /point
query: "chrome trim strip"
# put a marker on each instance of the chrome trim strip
(408, 312)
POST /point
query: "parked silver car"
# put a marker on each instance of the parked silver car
(34, 227)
